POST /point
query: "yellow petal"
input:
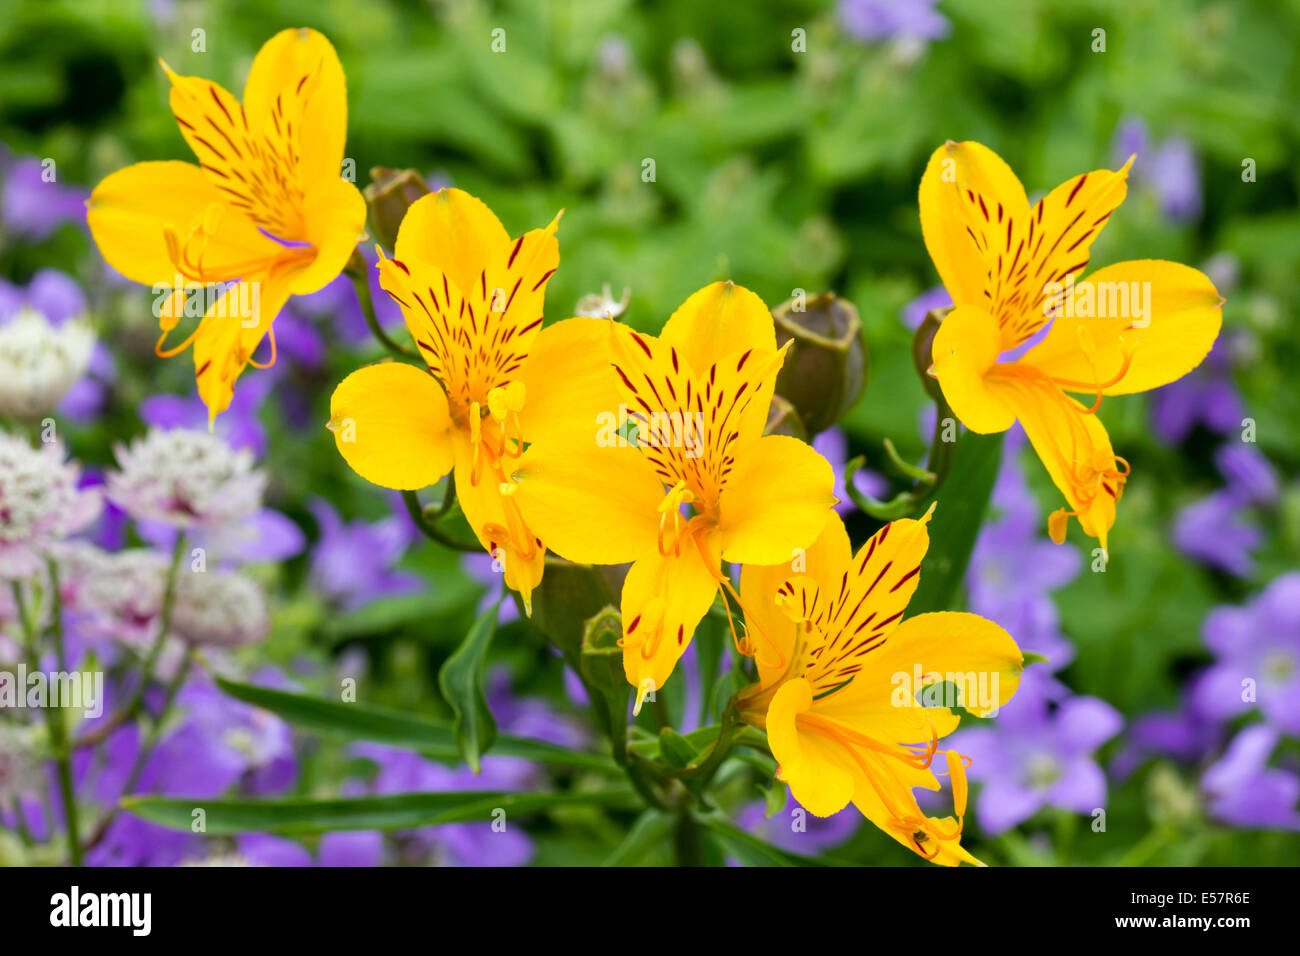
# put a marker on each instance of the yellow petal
(965, 348)
(1071, 443)
(1164, 315)
(776, 499)
(664, 599)
(497, 522)
(1064, 225)
(335, 221)
(298, 73)
(391, 425)
(130, 210)
(718, 321)
(571, 389)
(591, 505)
(824, 561)
(974, 654)
(231, 331)
(453, 232)
(968, 197)
(813, 766)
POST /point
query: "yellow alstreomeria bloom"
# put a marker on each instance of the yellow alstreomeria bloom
(697, 483)
(472, 298)
(1011, 268)
(842, 713)
(264, 215)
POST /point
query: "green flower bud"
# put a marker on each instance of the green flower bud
(826, 367)
(783, 419)
(390, 193)
(922, 357)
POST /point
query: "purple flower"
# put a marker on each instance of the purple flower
(352, 562)
(264, 537)
(1205, 396)
(482, 567)
(1044, 758)
(914, 312)
(32, 206)
(1185, 735)
(794, 829)
(1015, 567)
(1257, 646)
(1248, 472)
(875, 20)
(1214, 531)
(1243, 791)
(1171, 171)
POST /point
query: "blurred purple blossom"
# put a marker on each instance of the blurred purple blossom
(1241, 789)
(1171, 170)
(1035, 755)
(794, 829)
(352, 561)
(874, 20)
(1215, 532)
(1257, 651)
(1205, 396)
(32, 208)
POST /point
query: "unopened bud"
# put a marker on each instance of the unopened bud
(826, 367)
(390, 193)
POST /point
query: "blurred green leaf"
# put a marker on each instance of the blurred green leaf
(392, 812)
(461, 682)
(434, 738)
(955, 525)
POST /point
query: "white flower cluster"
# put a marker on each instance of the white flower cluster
(40, 504)
(185, 478)
(218, 609)
(39, 362)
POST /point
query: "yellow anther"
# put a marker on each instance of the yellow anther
(1057, 522)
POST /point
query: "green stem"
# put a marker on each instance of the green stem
(688, 841)
(428, 524)
(357, 270)
(54, 713)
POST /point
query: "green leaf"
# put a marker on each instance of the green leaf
(963, 500)
(461, 683)
(675, 749)
(391, 812)
(432, 737)
(649, 831)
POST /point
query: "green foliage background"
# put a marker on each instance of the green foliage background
(782, 171)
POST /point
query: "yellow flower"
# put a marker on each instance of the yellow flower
(472, 298)
(264, 215)
(840, 707)
(698, 484)
(1012, 268)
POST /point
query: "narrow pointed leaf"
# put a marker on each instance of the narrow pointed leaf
(432, 737)
(390, 812)
(461, 683)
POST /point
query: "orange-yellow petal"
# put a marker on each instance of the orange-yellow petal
(390, 424)
(968, 197)
(1136, 326)
(817, 769)
(965, 349)
(454, 232)
(297, 76)
(776, 499)
(590, 504)
(131, 210)
(664, 599)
